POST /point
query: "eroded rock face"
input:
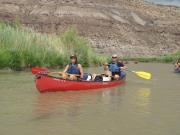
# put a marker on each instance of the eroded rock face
(130, 28)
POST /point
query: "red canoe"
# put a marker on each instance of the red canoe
(46, 83)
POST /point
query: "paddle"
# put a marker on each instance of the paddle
(142, 74)
(36, 70)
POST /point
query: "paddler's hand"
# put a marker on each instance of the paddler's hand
(81, 77)
(124, 68)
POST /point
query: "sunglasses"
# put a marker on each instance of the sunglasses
(114, 57)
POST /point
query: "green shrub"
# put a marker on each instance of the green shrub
(5, 58)
(22, 48)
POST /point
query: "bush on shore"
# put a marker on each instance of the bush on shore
(22, 48)
(163, 59)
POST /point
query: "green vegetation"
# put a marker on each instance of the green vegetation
(164, 59)
(22, 48)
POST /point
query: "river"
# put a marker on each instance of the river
(139, 107)
(166, 2)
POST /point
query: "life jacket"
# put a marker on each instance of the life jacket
(113, 67)
(73, 69)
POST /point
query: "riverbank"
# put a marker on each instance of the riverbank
(130, 28)
(169, 58)
(22, 48)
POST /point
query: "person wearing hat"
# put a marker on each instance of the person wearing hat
(116, 68)
(74, 70)
(177, 64)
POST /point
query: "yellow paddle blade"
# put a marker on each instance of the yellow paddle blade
(143, 74)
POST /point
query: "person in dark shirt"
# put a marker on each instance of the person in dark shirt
(116, 68)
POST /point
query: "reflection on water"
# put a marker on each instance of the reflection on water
(60, 102)
(72, 103)
(142, 99)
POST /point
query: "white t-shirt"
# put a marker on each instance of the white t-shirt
(106, 78)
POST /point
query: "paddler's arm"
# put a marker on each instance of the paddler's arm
(66, 69)
(122, 66)
(81, 70)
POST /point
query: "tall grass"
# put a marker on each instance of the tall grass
(22, 47)
(164, 59)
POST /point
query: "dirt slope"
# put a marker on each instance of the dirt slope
(126, 27)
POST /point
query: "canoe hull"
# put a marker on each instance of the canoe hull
(177, 70)
(51, 84)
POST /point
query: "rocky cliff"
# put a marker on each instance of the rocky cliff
(130, 28)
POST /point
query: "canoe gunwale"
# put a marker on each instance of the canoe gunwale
(54, 77)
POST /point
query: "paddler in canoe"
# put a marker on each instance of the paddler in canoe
(116, 67)
(112, 70)
(74, 70)
(177, 65)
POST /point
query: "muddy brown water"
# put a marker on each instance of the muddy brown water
(139, 107)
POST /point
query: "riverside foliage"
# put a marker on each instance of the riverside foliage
(22, 47)
(163, 59)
